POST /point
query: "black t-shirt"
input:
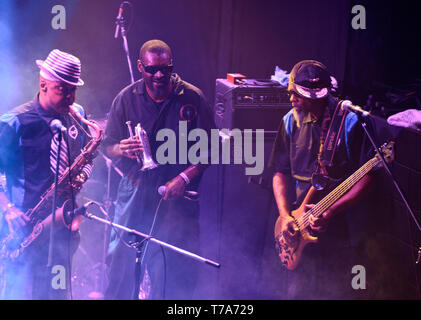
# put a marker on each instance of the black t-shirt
(185, 103)
(296, 149)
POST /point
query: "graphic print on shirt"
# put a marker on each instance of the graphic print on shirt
(188, 112)
(73, 132)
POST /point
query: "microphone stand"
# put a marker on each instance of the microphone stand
(363, 123)
(386, 166)
(54, 204)
(121, 23)
(140, 239)
(109, 163)
(137, 244)
(108, 205)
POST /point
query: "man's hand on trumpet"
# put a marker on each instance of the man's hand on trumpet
(131, 148)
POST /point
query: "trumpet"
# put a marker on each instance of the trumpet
(147, 160)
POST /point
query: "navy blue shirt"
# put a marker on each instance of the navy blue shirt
(25, 143)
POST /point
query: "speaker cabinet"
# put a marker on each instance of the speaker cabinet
(255, 104)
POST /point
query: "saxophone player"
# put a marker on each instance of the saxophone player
(28, 150)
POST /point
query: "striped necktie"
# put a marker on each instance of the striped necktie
(64, 160)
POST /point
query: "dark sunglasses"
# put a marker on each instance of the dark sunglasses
(291, 92)
(155, 69)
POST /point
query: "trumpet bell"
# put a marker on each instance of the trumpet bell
(147, 160)
(149, 165)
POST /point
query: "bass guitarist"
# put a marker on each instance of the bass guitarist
(314, 124)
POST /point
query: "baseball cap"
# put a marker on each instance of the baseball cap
(310, 79)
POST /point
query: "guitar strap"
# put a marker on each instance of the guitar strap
(329, 140)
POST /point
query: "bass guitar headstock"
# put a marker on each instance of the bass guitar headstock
(388, 151)
(388, 154)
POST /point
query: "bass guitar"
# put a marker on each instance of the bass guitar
(290, 254)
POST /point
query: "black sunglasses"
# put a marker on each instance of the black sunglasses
(155, 69)
(292, 92)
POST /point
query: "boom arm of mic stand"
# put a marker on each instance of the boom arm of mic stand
(364, 125)
(161, 243)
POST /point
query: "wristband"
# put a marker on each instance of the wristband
(184, 177)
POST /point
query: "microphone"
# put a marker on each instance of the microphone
(117, 27)
(77, 212)
(191, 195)
(57, 125)
(347, 105)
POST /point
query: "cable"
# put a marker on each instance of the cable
(165, 273)
(105, 213)
(151, 230)
(162, 249)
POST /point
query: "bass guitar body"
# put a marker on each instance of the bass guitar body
(290, 254)
(290, 251)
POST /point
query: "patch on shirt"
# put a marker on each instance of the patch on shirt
(73, 132)
(188, 112)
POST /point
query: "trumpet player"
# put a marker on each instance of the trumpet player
(161, 99)
(28, 150)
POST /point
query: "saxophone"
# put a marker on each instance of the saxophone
(72, 179)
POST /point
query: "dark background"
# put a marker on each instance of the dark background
(210, 39)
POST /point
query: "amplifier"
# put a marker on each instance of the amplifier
(254, 104)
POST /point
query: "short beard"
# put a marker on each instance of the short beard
(299, 116)
(160, 92)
